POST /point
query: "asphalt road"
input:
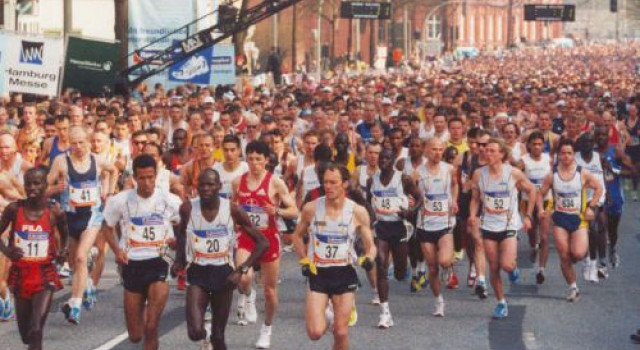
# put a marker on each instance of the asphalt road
(539, 317)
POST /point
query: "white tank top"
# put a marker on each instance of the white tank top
(408, 166)
(331, 240)
(436, 189)
(595, 168)
(568, 195)
(310, 180)
(146, 230)
(211, 242)
(516, 151)
(227, 177)
(388, 197)
(499, 201)
(300, 165)
(16, 169)
(363, 176)
(536, 171)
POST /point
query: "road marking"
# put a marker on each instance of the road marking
(529, 340)
(113, 342)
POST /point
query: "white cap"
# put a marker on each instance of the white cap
(208, 99)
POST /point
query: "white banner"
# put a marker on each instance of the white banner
(31, 64)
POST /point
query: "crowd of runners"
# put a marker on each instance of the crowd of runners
(427, 176)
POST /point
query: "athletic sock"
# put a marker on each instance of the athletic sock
(440, 299)
(75, 302)
(481, 279)
(385, 307)
(422, 266)
(502, 301)
(574, 285)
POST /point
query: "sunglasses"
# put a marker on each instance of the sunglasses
(482, 144)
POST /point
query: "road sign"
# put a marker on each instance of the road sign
(564, 13)
(365, 10)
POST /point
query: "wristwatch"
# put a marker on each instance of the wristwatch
(243, 269)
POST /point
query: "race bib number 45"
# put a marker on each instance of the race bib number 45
(147, 231)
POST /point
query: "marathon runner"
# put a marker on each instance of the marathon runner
(232, 167)
(333, 222)
(206, 245)
(146, 217)
(262, 196)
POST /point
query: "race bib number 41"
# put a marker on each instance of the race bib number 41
(83, 194)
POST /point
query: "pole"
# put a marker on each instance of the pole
(319, 42)
(358, 52)
(405, 29)
(372, 42)
(510, 24)
(349, 40)
(68, 17)
(274, 29)
(294, 60)
(2, 14)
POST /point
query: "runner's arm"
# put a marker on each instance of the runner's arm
(181, 235)
(455, 189)
(475, 196)
(411, 189)
(592, 182)
(8, 216)
(62, 228)
(363, 228)
(241, 219)
(290, 210)
(55, 179)
(302, 228)
(523, 184)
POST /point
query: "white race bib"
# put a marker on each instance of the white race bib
(497, 202)
(211, 244)
(331, 250)
(568, 202)
(436, 205)
(34, 245)
(147, 232)
(83, 194)
(259, 218)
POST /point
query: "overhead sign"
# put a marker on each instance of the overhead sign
(90, 65)
(365, 10)
(564, 13)
(31, 64)
(211, 66)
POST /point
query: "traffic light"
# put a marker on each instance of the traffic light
(613, 5)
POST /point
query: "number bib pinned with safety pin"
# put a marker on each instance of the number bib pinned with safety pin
(497, 202)
(34, 245)
(331, 249)
(146, 232)
(83, 194)
(211, 245)
(436, 204)
(257, 215)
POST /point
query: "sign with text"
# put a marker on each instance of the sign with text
(564, 13)
(90, 65)
(365, 10)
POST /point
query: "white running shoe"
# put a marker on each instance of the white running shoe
(439, 309)
(194, 66)
(264, 340)
(386, 320)
(250, 307)
(586, 265)
(376, 299)
(242, 318)
(573, 294)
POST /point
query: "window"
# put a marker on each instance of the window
(433, 27)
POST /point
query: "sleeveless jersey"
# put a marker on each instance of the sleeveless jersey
(595, 168)
(55, 150)
(634, 135)
(408, 166)
(34, 237)
(499, 201)
(145, 231)
(310, 180)
(363, 177)
(227, 177)
(390, 196)
(253, 203)
(16, 169)
(569, 196)
(83, 190)
(436, 190)
(332, 240)
(536, 170)
(612, 181)
(211, 242)
(516, 151)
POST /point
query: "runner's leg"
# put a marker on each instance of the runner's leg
(196, 305)
(342, 305)
(316, 320)
(40, 304)
(157, 293)
(220, 306)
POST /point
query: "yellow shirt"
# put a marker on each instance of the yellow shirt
(461, 147)
(351, 163)
(218, 155)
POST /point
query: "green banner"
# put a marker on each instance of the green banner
(90, 66)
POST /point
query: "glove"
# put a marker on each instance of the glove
(366, 263)
(308, 268)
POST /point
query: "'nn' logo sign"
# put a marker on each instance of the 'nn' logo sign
(32, 52)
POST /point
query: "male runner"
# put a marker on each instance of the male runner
(83, 182)
(387, 192)
(497, 185)
(57, 145)
(536, 165)
(333, 221)
(206, 244)
(438, 183)
(36, 229)
(571, 211)
(146, 217)
(232, 167)
(202, 159)
(264, 197)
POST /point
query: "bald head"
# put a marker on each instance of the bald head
(7, 140)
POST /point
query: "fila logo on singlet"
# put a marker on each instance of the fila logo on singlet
(31, 228)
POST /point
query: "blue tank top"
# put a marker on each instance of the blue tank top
(612, 181)
(82, 194)
(55, 150)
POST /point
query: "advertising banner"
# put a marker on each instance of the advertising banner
(210, 66)
(31, 64)
(90, 65)
(3, 55)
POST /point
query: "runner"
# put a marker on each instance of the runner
(387, 192)
(365, 171)
(536, 165)
(83, 182)
(496, 186)
(57, 145)
(261, 195)
(11, 162)
(179, 154)
(202, 159)
(232, 167)
(36, 229)
(146, 217)
(438, 183)
(571, 211)
(333, 221)
(206, 244)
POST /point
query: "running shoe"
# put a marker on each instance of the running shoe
(353, 318)
(264, 339)
(586, 266)
(376, 299)
(501, 311)
(481, 289)
(423, 279)
(250, 308)
(386, 320)
(603, 273)
(471, 279)
(415, 286)
(573, 294)
(64, 271)
(288, 248)
(72, 314)
(514, 276)
(635, 338)
(593, 272)
(242, 318)
(614, 259)
(208, 315)
(540, 277)
(453, 281)
(86, 299)
(438, 310)
(6, 310)
(458, 255)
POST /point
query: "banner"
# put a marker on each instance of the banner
(210, 66)
(31, 64)
(90, 65)
(3, 55)
(150, 20)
